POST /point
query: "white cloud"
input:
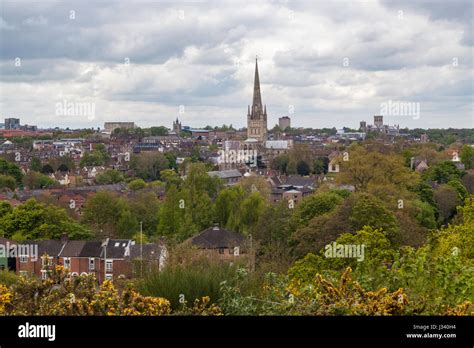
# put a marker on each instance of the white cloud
(201, 55)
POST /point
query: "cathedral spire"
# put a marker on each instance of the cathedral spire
(257, 98)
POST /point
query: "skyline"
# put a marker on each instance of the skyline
(333, 65)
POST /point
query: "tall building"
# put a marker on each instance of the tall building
(12, 123)
(257, 114)
(363, 126)
(378, 121)
(284, 122)
(177, 126)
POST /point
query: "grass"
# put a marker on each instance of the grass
(193, 281)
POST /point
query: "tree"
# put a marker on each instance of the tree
(103, 212)
(158, 131)
(35, 164)
(447, 199)
(315, 205)
(442, 172)
(47, 169)
(357, 211)
(11, 169)
(7, 182)
(302, 168)
(271, 233)
(364, 168)
(145, 206)
(171, 214)
(148, 165)
(98, 157)
(460, 188)
(280, 163)
(227, 203)
(320, 165)
(370, 211)
(254, 183)
(136, 184)
(467, 156)
(250, 211)
(34, 180)
(33, 220)
(170, 177)
(110, 176)
(5, 208)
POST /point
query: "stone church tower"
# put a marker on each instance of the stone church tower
(257, 113)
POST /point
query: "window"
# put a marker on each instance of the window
(67, 262)
(108, 276)
(23, 259)
(44, 275)
(46, 261)
(91, 264)
(108, 265)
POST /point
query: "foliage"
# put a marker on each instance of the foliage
(302, 168)
(136, 184)
(320, 297)
(186, 282)
(315, 205)
(34, 180)
(7, 182)
(10, 169)
(62, 294)
(148, 165)
(34, 220)
(110, 176)
(467, 156)
(109, 215)
(8, 278)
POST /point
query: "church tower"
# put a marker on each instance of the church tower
(257, 113)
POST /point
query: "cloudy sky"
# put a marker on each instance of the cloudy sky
(323, 63)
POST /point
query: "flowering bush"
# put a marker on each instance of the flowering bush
(62, 294)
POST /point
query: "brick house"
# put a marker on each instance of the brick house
(82, 258)
(110, 259)
(40, 264)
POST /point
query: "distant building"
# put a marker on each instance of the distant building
(111, 126)
(12, 123)
(378, 121)
(257, 113)
(424, 138)
(220, 243)
(421, 167)
(177, 128)
(363, 126)
(230, 177)
(284, 122)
